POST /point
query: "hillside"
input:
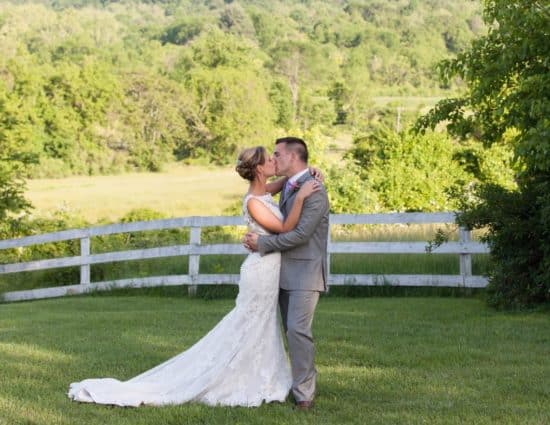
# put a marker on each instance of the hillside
(95, 87)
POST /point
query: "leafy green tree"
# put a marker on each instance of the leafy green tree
(182, 32)
(346, 190)
(279, 96)
(14, 158)
(303, 66)
(235, 20)
(235, 111)
(231, 104)
(74, 66)
(489, 164)
(154, 124)
(288, 61)
(410, 172)
(268, 27)
(338, 94)
(216, 48)
(508, 92)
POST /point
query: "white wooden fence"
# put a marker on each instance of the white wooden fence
(464, 247)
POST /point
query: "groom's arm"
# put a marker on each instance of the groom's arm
(315, 207)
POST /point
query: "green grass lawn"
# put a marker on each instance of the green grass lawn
(380, 361)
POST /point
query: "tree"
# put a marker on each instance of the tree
(228, 87)
(307, 72)
(409, 172)
(13, 160)
(508, 92)
(234, 111)
(155, 122)
(182, 32)
(286, 64)
(236, 21)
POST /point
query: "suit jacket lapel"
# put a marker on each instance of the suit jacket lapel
(285, 199)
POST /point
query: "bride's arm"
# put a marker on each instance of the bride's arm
(276, 186)
(265, 218)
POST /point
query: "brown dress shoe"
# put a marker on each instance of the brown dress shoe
(304, 405)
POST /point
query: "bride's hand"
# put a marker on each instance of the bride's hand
(317, 174)
(250, 241)
(308, 188)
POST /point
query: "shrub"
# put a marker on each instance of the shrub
(518, 234)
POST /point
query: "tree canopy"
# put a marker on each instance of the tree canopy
(507, 101)
(106, 86)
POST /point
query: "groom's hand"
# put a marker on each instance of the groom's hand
(250, 241)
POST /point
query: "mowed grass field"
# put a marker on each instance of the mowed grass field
(380, 361)
(395, 360)
(181, 190)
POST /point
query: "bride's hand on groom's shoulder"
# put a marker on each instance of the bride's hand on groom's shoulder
(317, 174)
(308, 188)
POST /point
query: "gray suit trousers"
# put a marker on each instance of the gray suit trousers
(297, 309)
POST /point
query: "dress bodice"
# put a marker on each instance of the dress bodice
(269, 202)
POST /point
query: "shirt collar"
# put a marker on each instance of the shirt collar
(296, 176)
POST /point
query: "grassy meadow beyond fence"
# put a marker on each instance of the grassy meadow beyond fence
(177, 191)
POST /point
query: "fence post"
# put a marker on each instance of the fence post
(465, 259)
(328, 254)
(84, 265)
(194, 260)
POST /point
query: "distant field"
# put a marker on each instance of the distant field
(407, 102)
(179, 191)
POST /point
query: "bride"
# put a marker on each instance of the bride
(241, 361)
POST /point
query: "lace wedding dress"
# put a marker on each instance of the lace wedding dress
(240, 362)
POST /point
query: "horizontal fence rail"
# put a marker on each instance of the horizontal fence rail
(464, 248)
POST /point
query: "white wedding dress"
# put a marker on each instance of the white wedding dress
(240, 362)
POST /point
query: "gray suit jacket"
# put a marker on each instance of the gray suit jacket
(303, 249)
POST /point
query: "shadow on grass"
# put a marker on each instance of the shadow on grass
(380, 360)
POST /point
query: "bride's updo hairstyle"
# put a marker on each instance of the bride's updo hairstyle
(248, 160)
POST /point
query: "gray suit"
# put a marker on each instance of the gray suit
(303, 276)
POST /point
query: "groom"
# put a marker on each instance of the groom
(303, 264)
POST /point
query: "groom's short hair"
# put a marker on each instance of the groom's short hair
(297, 145)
